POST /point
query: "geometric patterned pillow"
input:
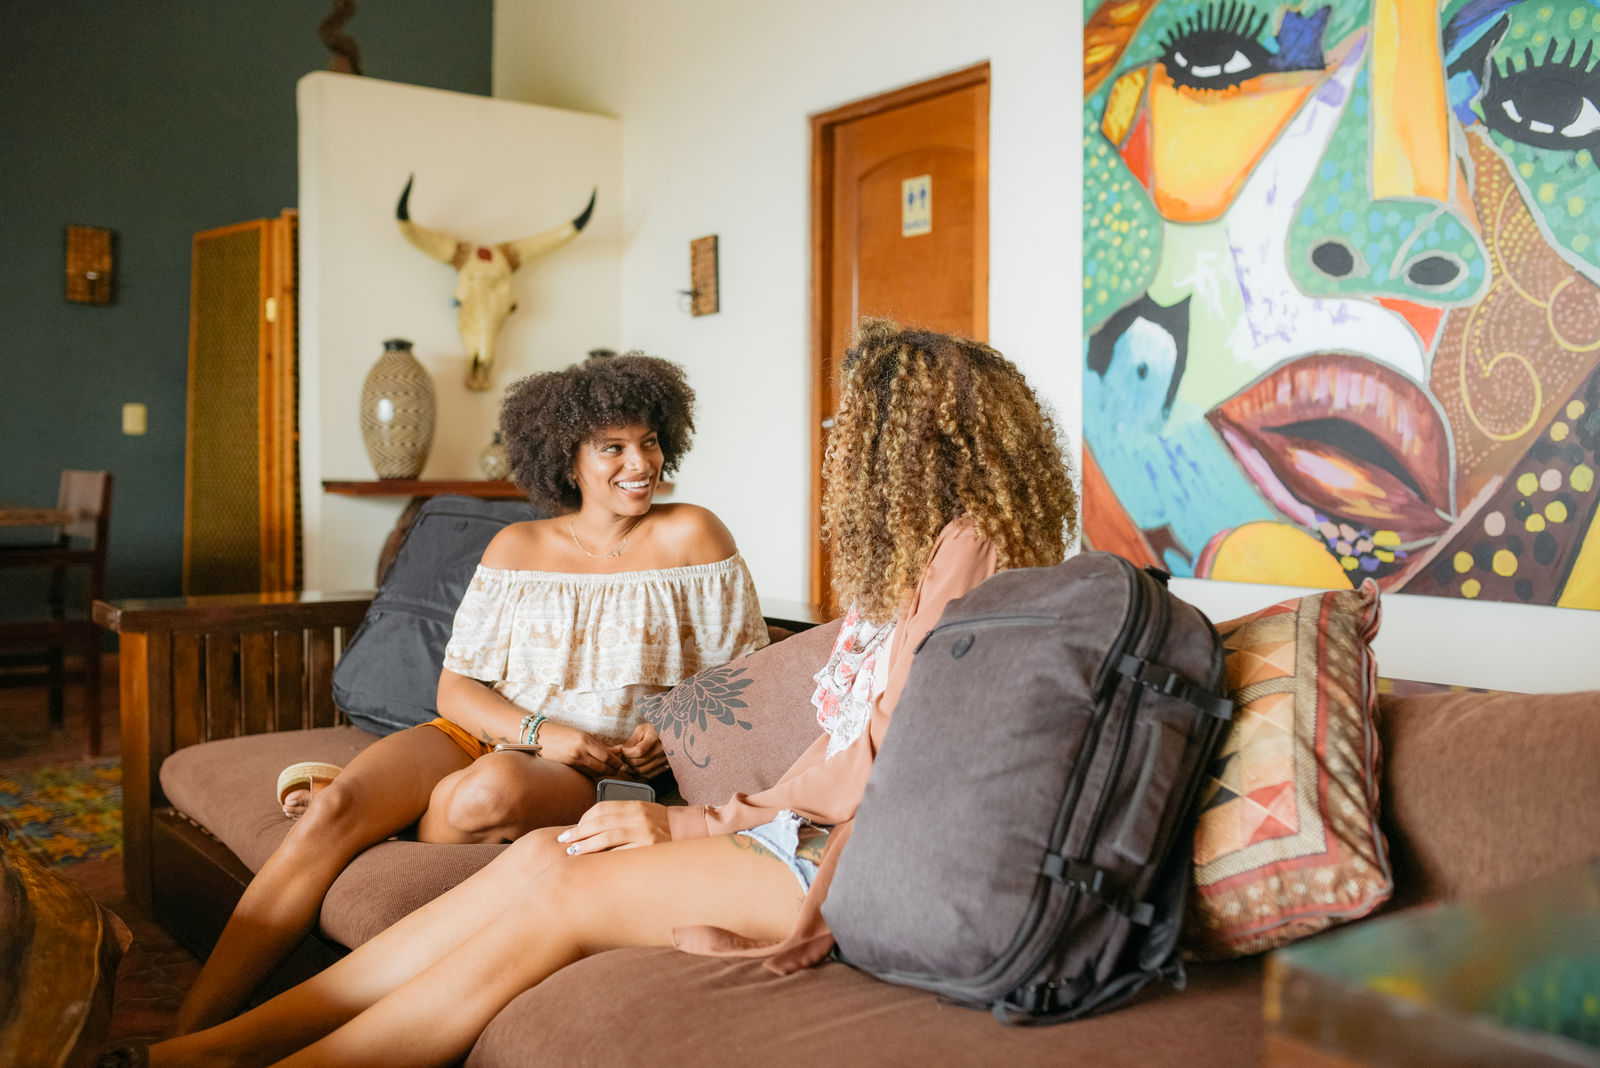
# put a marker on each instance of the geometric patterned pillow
(1287, 841)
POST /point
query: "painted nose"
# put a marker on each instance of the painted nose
(1388, 214)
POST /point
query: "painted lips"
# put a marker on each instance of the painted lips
(1347, 439)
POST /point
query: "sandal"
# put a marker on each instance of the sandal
(304, 776)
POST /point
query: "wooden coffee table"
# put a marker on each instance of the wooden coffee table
(58, 964)
(1511, 978)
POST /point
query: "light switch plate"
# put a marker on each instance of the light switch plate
(133, 419)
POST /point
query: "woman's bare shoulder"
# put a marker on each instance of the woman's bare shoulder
(691, 534)
(522, 546)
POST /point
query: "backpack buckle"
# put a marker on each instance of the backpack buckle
(1079, 873)
(1090, 879)
(1169, 683)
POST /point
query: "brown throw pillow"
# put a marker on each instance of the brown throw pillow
(1288, 842)
(1483, 790)
(738, 727)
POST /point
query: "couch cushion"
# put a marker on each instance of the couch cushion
(388, 675)
(739, 726)
(722, 1012)
(1482, 790)
(1287, 841)
(228, 786)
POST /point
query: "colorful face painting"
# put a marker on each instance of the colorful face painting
(1342, 292)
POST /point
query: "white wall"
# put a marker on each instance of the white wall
(714, 96)
(487, 171)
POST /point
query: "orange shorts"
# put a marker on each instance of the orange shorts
(469, 745)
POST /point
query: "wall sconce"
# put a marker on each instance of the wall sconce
(90, 257)
(702, 276)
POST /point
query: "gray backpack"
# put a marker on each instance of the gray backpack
(1024, 841)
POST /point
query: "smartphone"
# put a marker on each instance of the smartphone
(516, 747)
(624, 790)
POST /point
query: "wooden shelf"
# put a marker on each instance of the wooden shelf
(489, 490)
(795, 615)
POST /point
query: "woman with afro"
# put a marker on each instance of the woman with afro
(941, 469)
(567, 623)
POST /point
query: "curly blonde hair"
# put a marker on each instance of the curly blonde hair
(931, 427)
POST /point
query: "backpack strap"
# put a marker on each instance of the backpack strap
(1097, 881)
(1166, 681)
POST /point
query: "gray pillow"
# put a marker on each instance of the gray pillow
(388, 678)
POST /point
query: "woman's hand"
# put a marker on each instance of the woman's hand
(643, 752)
(578, 749)
(617, 825)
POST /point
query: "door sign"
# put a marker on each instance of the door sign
(916, 206)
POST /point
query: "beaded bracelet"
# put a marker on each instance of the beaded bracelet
(530, 728)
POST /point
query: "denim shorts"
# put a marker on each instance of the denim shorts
(780, 836)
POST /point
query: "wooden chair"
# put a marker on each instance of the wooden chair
(80, 544)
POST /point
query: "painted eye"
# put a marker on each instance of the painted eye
(1550, 102)
(513, 305)
(1217, 49)
(455, 302)
(1587, 122)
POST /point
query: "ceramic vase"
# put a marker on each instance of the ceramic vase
(397, 412)
(492, 460)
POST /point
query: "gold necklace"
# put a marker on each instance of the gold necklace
(602, 556)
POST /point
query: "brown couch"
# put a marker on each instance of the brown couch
(1478, 791)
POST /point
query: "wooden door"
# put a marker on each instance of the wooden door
(925, 262)
(241, 487)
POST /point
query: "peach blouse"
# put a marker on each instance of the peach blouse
(826, 790)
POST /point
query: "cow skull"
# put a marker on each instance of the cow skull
(483, 279)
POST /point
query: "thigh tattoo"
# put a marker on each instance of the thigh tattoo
(813, 840)
(750, 845)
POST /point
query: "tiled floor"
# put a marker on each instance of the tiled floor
(156, 972)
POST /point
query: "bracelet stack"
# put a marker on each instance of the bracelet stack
(531, 723)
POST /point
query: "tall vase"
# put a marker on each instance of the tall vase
(397, 412)
(492, 460)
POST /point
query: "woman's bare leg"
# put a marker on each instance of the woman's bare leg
(573, 909)
(503, 796)
(325, 1001)
(384, 789)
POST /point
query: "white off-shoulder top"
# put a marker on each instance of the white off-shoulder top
(583, 649)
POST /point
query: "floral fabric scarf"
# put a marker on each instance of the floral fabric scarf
(843, 697)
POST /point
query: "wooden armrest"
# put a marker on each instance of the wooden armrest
(234, 612)
(195, 669)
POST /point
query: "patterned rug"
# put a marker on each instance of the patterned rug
(65, 813)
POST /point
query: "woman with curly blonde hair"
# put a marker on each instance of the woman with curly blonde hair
(935, 426)
(943, 469)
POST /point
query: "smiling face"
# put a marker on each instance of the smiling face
(617, 470)
(1339, 284)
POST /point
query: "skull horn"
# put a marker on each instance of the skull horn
(440, 246)
(526, 248)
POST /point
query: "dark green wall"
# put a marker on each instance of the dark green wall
(157, 119)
